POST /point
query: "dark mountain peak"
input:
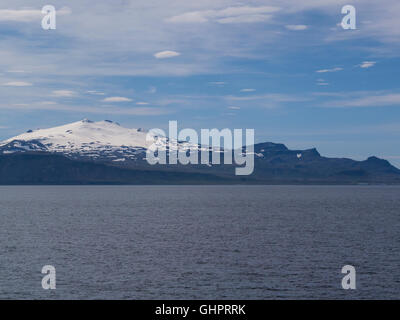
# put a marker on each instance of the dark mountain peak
(112, 122)
(312, 152)
(373, 158)
(377, 161)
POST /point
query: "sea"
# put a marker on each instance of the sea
(199, 242)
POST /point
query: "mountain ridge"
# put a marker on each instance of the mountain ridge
(106, 143)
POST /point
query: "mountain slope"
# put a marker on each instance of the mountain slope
(104, 139)
(121, 153)
(51, 169)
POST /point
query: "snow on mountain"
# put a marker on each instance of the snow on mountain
(85, 138)
(79, 134)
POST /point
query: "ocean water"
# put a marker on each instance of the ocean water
(200, 242)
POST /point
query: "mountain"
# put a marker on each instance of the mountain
(87, 152)
(87, 140)
(52, 169)
(105, 140)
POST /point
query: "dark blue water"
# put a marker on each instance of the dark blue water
(200, 242)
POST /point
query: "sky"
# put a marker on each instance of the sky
(284, 68)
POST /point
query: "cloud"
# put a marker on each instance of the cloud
(367, 64)
(28, 15)
(276, 97)
(238, 14)
(234, 108)
(329, 70)
(48, 102)
(94, 92)
(140, 111)
(25, 15)
(16, 71)
(63, 93)
(18, 84)
(142, 103)
(190, 17)
(266, 101)
(248, 90)
(368, 100)
(117, 99)
(166, 54)
(296, 27)
(218, 83)
(246, 10)
(99, 49)
(245, 19)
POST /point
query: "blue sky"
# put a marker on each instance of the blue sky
(285, 68)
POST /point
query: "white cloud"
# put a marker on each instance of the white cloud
(245, 19)
(190, 17)
(18, 84)
(94, 92)
(277, 97)
(266, 101)
(48, 103)
(142, 103)
(63, 93)
(296, 27)
(368, 100)
(93, 48)
(246, 10)
(238, 14)
(117, 99)
(27, 15)
(329, 70)
(142, 111)
(234, 108)
(248, 90)
(166, 54)
(16, 71)
(367, 64)
(217, 83)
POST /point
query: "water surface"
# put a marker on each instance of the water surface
(200, 242)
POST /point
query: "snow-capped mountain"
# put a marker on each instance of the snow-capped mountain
(105, 140)
(119, 158)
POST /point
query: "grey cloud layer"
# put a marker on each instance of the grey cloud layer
(122, 38)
